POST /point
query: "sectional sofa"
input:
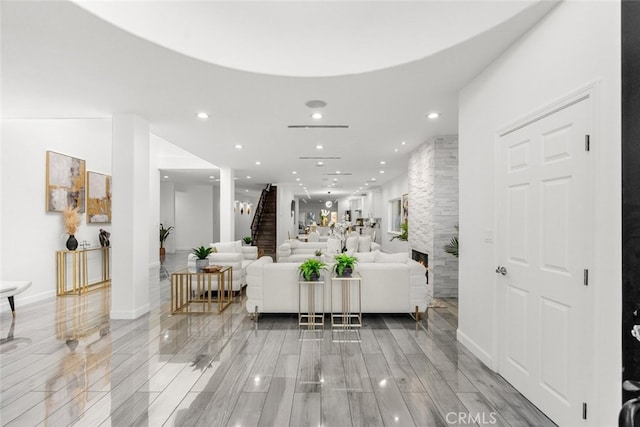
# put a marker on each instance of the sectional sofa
(297, 251)
(391, 283)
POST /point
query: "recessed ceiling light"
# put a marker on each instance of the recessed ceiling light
(212, 177)
(338, 172)
(320, 163)
(404, 143)
(433, 115)
(299, 183)
(316, 116)
(246, 191)
(202, 115)
(335, 179)
(258, 163)
(366, 183)
(381, 171)
(297, 179)
(319, 147)
(396, 150)
(218, 179)
(294, 172)
(166, 177)
(373, 179)
(383, 162)
(238, 146)
(235, 178)
(248, 177)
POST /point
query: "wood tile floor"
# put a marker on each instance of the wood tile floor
(64, 362)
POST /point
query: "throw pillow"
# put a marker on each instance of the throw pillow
(381, 257)
(333, 246)
(352, 244)
(364, 244)
(228, 247)
(366, 256)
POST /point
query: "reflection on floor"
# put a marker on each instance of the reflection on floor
(64, 362)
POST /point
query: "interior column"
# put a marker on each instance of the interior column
(227, 199)
(130, 220)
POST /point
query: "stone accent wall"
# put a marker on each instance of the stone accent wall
(433, 209)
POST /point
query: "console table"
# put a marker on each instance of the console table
(186, 291)
(80, 271)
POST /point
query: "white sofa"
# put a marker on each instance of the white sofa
(391, 283)
(297, 251)
(232, 254)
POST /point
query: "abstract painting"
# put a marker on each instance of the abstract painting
(65, 182)
(405, 207)
(98, 198)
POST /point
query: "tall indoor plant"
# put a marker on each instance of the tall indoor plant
(164, 234)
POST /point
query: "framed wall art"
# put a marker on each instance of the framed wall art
(98, 198)
(405, 207)
(65, 182)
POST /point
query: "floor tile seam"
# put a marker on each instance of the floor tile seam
(5, 422)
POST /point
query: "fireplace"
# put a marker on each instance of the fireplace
(422, 258)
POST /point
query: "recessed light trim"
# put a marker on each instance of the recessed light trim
(202, 115)
(248, 177)
(320, 163)
(319, 147)
(316, 116)
(258, 163)
(433, 115)
(404, 143)
(382, 162)
(238, 146)
(381, 171)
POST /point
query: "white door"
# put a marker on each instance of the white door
(543, 243)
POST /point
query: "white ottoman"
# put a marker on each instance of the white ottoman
(9, 288)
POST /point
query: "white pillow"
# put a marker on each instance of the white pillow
(229, 247)
(366, 256)
(352, 244)
(381, 257)
(333, 246)
(364, 244)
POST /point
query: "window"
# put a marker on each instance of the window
(395, 213)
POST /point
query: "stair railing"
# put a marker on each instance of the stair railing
(257, 216)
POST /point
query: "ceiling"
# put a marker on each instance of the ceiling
(379, 72)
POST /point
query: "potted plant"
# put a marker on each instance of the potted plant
(164, 234)
(452, 246)
(247, 240)
(344, 264)
(404, 235)
(310, 269)
(202, 254)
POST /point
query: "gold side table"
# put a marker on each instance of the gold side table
(310, 318)
(80, 271)
(346, 319)
(190, 287)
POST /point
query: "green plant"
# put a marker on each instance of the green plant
(452, 246)
(164, 234)
(344, 261)
(201, 252)
(404, 234)
(311, 266)
(248, 240)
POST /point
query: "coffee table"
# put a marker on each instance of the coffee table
(191, 288)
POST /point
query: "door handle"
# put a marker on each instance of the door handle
(501, 270)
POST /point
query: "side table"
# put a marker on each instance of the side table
(310, 318)
(186, 291)
(346, 319)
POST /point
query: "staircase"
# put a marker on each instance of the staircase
(264, 224)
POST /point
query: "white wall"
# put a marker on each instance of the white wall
(243, 221)
(194, 216)
(392, 190)
(154, 202)
(27, 228)
(577, 44)
(168, 213)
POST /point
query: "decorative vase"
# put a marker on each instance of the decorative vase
(72, 243)
(324, 221)
(163, 251)
(201, 263)
(347, 272)
(314, 277)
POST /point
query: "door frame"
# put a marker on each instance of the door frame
(592, 92)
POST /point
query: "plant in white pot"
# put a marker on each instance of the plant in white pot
(202, 257)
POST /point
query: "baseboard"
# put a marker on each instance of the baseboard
(130, 314)
(474, 348)
(21, 301)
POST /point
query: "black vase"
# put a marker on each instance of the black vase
(347, 272)
(72, 243)
(314, 276)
